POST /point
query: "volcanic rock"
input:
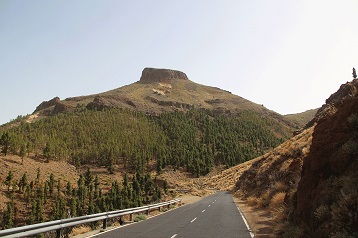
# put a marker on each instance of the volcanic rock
(47, 104)
(150, 75)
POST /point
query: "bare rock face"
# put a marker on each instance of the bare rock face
(330, 167)
(46, 104)
(347, 90)
(61, 107)
(150, 75)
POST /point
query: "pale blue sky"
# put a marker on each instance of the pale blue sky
(288, 55)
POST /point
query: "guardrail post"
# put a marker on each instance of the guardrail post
(131, 217)
(160, 208)
(104, 224)
(58, 233)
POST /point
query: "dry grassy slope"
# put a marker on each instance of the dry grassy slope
(226, 179)
(141, 96)
(257, 176)
(61, 170)
(180, 183)
(301, 119)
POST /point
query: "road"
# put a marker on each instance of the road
(212, 216)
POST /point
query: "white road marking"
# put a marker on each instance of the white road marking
(214, 202)
(203, 210)
(247, 224)
(193, 220)
(173, 235)
(209, 205)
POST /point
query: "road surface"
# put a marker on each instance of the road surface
(212, 216)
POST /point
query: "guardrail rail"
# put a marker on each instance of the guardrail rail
(58, 225)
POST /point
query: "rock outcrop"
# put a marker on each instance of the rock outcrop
(61, 107)
(150, 75)
(350, 89)
(327, 201)
(47, 104)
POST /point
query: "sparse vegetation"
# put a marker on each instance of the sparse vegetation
(50, 199)
(140, 217)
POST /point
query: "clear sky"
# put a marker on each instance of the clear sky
(287, 55)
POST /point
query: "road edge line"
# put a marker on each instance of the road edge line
(245, 221)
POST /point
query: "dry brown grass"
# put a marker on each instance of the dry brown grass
(79, 230)
(273, 178)
(252, 201)
(281, 186)
(277, 200)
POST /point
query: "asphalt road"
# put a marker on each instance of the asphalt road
(213, 216)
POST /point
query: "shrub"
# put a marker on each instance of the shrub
(277, 200)
(264, 200)
(287, 230)
(350, 147)
(353, 123)
(252, 201)
(280, 186)
(322, 213)
(140, 218)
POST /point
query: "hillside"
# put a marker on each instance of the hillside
(301, 119)
(309, 183)
(161, 90)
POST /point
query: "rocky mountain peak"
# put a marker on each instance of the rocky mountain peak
(150, 75)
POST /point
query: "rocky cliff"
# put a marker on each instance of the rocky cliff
(150, 75)
(346, 90)
(310, 183)
(327, 194)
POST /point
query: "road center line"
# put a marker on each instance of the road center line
(193, 220)
(203, 210)
(209, 205)
(173, 235)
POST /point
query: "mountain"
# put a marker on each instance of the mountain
(162, 90)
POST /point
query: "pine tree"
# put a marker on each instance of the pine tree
(8, 216)
(38, 210)
(8, 180)
(354, 73)
(47, 152)
(73, 206)
(96, 188)
(51, 184)
(5, 142)
(23, 182)
(38, 175)
(22, 153)
(165, 186)
(68, 189)
(88, 178)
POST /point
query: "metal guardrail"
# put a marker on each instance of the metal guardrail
(58, 225)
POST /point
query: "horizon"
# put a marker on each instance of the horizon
(288, 56)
